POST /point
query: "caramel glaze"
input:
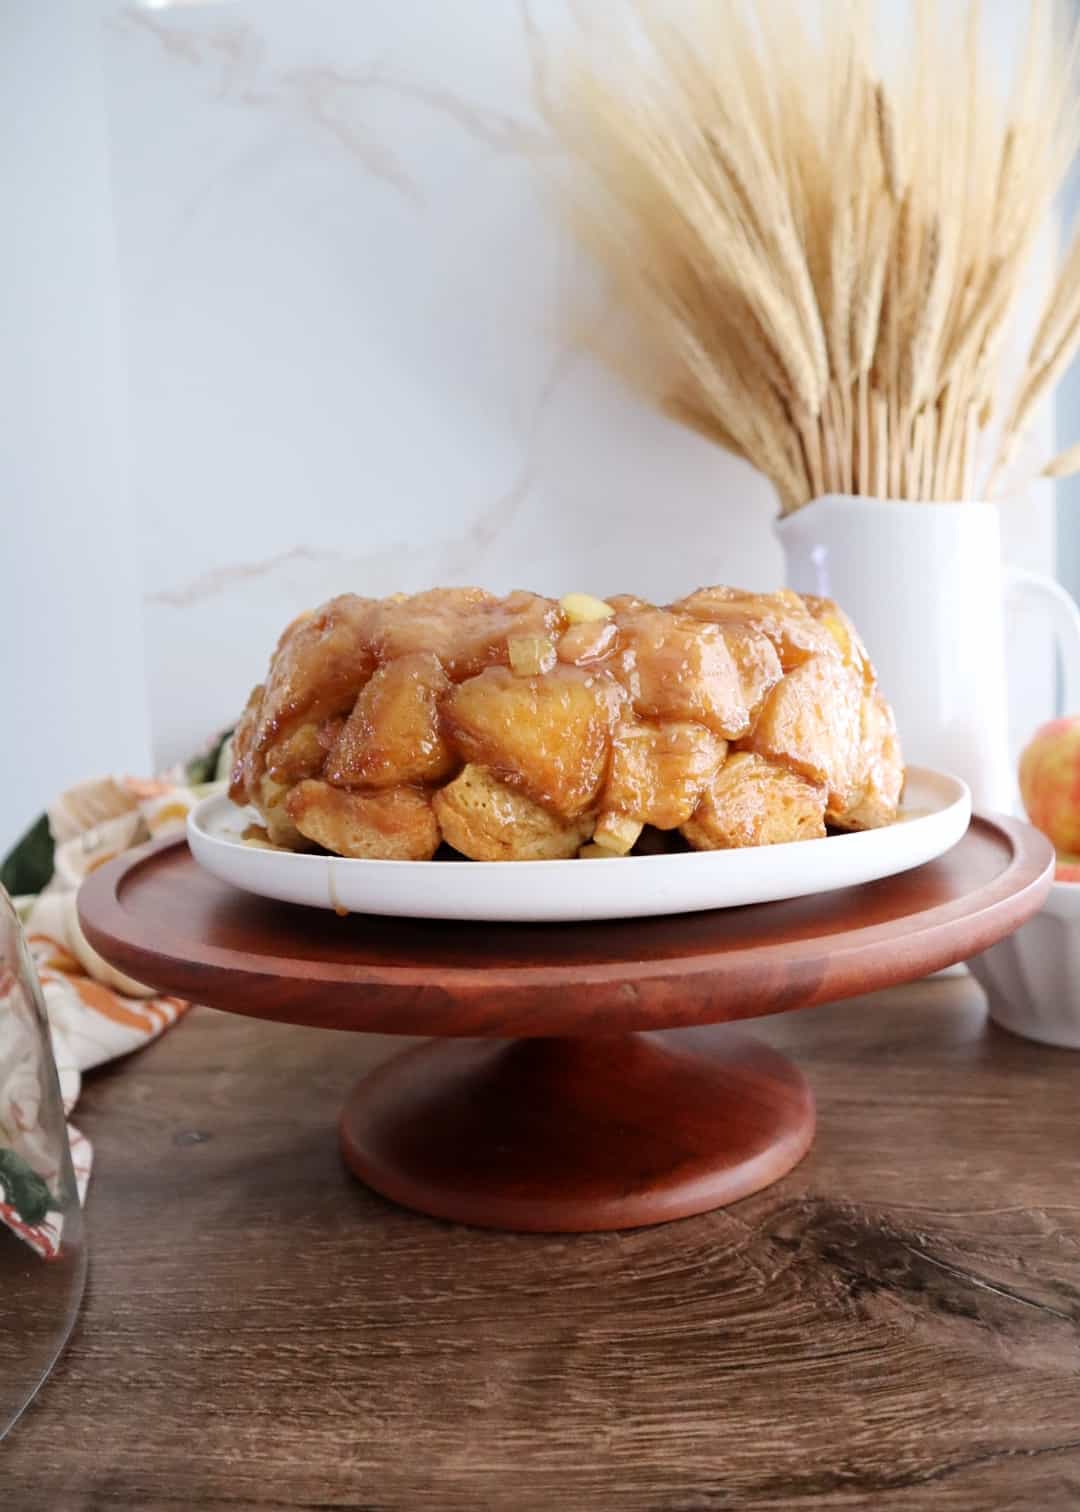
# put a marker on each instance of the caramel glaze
(532, 732)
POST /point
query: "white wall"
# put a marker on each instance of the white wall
(71, 669)
(343, 297)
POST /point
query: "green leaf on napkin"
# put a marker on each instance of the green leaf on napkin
(29, 865)
(24, 1189)
(203, 768)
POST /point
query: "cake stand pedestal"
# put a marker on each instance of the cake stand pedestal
(569, 1084)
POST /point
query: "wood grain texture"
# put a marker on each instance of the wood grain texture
(159, 917)
(894, 1326)
(38, 1304)
(578, 1135)
(489, 1136)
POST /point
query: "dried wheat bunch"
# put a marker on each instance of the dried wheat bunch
(821, 255)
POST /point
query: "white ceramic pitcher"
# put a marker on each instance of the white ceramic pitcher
(926, 588)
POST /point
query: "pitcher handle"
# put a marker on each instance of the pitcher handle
(1064, 618)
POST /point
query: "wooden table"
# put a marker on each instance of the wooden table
(894, 1325)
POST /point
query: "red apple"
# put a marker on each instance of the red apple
(1050, 782)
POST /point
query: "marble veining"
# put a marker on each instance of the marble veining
(219, 580)
(349, 311)
(236, 60)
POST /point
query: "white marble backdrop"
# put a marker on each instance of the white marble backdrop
(343, 310)
(350, 361)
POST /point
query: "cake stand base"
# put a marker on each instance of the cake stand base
(631, 1119)
(577, 1135)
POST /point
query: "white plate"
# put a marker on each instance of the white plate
(934, 816)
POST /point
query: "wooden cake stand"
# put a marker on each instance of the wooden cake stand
(569, 1086)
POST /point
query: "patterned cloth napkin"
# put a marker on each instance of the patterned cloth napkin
(95, 1013)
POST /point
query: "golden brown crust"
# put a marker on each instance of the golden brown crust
(676, 667)
(302, 753)
(880, 777)
(581, 645)
(243, 742)
(751, 801)
(486, 820)
(847, 639)
(659, 771)
(784, 618)
(740, 718)
(811, 723)
(272, 800)
(322, 661)
(394, 733)
(466, 628)
(548, 735)
(394, 824)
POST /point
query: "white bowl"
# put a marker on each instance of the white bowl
(1032, 979)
